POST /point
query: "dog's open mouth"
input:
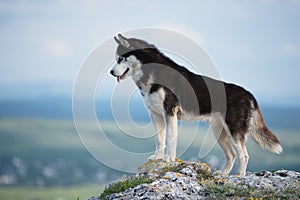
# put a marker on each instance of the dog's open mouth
(123, 75)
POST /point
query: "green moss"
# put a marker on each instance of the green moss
(123, 185)
(226, 190)
(175, 168)
(220, 191)
(205, 176)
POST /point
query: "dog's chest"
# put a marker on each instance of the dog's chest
(153, 100)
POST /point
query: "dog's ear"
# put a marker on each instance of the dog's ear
(132, 43)
(117, 40)
(121, 40)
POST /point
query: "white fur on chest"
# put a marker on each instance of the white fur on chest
(155, 101)
(137, 72)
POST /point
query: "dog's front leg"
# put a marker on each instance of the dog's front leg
(159, 124)
(172, 124)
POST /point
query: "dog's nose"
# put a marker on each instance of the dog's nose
(111, 72)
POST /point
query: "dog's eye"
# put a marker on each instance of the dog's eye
(120, 59)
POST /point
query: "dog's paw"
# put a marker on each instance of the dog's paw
(156, 157)
(220, 173)
(241, 174)
(169, 158)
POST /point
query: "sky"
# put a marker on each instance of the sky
(252, 43)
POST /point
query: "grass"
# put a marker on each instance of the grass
(50, 193)
(124, 185)
(171, 169)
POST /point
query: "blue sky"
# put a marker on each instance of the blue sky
(255, 44)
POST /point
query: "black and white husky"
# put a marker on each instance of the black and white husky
(171, 93)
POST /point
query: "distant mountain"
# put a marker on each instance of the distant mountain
(61, 108)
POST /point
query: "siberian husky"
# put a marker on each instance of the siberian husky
(171, 93)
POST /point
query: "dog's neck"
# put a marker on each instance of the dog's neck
(146, 73)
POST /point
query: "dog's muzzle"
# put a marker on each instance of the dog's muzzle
(112, 72)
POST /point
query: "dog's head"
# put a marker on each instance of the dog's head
(131, 53)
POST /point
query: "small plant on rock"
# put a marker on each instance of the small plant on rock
(124, 185)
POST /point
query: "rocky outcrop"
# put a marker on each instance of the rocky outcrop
(193, 180)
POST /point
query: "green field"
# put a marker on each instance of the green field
(52, 193)
(46, 159)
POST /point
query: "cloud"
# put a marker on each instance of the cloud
(290, 49)
(186, 30)
(235, 8)
(296, 1)
(58, 48)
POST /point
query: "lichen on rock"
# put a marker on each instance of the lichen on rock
(156, 168)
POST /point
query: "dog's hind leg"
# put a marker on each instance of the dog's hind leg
(159, 124)
(226, 144)
(223, 137)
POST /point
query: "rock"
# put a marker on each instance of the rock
(193, 180)
(155, 169)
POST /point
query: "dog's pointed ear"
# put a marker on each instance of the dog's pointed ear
(132, 43)
(122, 41)
(122, 37)
(117, 40)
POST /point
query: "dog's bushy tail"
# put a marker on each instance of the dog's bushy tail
(262, 135)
